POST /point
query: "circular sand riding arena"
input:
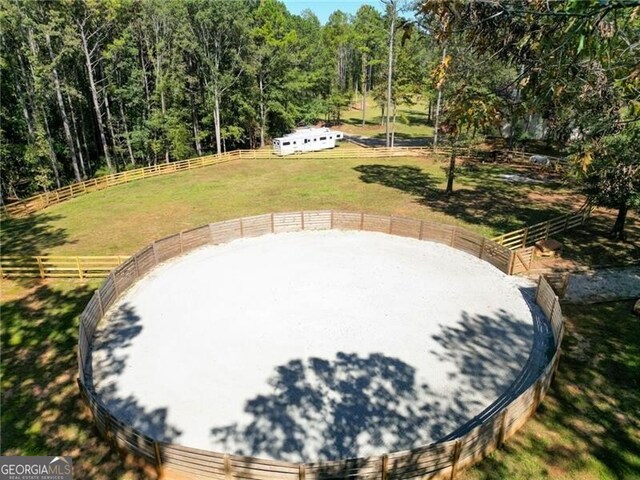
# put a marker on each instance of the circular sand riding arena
(315, 345)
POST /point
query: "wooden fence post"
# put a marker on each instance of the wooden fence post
(331, 221)
(481, 248)
(156, 449)
(301, 471)
(135, 263)
(384, 468)
(242, 228)
(453, 235)
(361, 220)
(537, 396)
(100, 303)
(40, 267)
(228, 474)
(155, 253)
(525, 236)
(503, 426)
(456, 456)
(512, 261)
(79, 269)
(181, 245)
(421, 229)
(302, 219)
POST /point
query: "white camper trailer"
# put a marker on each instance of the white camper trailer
(306, 140)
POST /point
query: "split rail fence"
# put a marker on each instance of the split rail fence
(527, 236)
(43, 200)
(59, 266)
(435, 461)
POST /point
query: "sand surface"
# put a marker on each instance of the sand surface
(313, 345)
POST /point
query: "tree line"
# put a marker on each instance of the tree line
(91, 86)
(96, 86)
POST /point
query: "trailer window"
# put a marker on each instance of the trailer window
(286, 143)
(323, 138)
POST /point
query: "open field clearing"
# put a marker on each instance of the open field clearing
(121, 219)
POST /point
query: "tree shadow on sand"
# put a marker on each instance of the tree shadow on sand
(354, 406)
(108, 361)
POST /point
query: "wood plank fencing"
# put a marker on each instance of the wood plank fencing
(59, 266)
(435, 461)
(527, 236)
(44, 200)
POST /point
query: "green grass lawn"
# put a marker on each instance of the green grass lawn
(121, 219)
(588, 426)
(411, 120)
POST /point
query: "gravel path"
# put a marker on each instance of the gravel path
(316, 345)
(603, 285)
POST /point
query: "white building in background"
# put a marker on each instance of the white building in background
(306, 140)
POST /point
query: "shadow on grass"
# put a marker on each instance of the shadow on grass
(32, 235)
(480, 195)
(589, 424)
(592, 245)
(42, 410)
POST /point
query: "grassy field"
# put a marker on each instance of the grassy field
(121, 219)
(587, 428)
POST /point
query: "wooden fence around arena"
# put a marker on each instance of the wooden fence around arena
(435, 461)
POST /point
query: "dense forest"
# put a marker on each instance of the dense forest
(95, 86)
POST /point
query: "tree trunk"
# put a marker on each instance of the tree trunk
(94, 96)
(390, 67)
(196, 127)
(452, 171)
(85, 144)
(438, 103)
(74, 125)
(52, 153)
(393, 130)
(63, 114)
(110, 123)
(618, 232)
(364, 87)
(25, 112)
(263, 113)
(216, 121)
(126, 134)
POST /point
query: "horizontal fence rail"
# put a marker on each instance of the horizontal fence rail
(59, 266)
(43, 200)
(524, 237)
(435, 461)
